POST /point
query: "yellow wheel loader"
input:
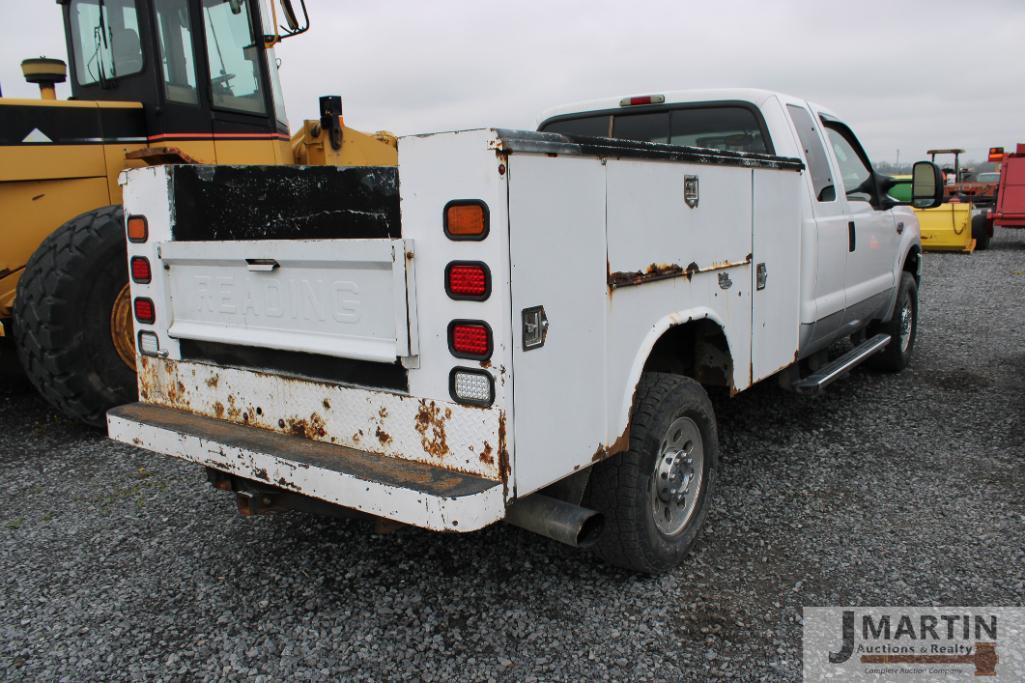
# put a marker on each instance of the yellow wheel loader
(152, 82)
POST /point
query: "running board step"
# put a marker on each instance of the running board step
(823, 377)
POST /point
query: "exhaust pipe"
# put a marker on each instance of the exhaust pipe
(558, 520)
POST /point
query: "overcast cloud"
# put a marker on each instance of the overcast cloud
(905, 75)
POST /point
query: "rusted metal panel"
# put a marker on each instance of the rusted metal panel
(667, 271)
(428, 496)
(447, 435)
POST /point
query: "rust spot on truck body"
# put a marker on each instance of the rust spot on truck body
(383, 436)
(504, 468)
(430, 423)
(311, 428)
(666, 271)
(618, 446)
(486, 456)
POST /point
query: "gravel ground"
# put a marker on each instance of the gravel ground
(118, 564)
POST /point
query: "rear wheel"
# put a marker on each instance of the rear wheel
(902, 328)
(73, 315)
(655, 496)
(982, 231)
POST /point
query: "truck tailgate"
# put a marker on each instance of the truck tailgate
(342, 298)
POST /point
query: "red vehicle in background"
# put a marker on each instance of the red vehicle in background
(1009, 211)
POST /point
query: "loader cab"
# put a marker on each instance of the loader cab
(204, 71)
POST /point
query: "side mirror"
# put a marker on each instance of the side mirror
(288, 12)
(926, 185)
(293, 26)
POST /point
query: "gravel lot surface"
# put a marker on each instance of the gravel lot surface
(118, 564)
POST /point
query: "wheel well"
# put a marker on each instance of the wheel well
(697, 349)
(912, 263)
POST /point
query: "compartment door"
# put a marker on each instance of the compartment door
(776, 273)
(557, 252)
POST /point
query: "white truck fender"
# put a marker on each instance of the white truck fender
(621, 420)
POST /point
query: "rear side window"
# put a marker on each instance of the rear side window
(732, 129)
(814, 153)
(587, 126)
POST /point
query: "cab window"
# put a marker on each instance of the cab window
(647, 127)
(105, 40)
(587, 126)
(731, 129)
(174, 33)
(854, 171)
(233, 56)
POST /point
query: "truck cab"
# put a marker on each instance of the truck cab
(852, 240)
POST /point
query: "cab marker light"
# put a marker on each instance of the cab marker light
(642, 99)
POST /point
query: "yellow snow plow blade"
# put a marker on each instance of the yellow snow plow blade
(947, 228)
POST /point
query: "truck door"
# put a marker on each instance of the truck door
(871, 231)
(824, 251)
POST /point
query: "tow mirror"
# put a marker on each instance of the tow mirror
(926, 185)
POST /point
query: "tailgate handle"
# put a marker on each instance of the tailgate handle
(261, 265)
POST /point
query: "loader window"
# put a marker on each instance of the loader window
(234, 57)
(175, 33)
(105, 40)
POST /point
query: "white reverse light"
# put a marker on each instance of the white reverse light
(470, 386)
(149, 344)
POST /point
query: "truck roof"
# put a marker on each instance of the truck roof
(755, 96)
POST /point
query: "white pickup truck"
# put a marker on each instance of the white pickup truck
(514, 326)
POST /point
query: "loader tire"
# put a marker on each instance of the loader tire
(982, 231)
(671, 464)
(902, 328)
(66, 322)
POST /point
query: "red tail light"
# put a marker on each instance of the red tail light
(468, 280)
(469, 339)
(145, 312)
(140, 270)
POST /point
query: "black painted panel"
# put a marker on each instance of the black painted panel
(214, 203)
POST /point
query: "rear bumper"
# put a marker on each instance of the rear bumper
(408, 492)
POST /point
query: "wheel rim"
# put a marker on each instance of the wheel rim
(676, 481)
(906, 323)
(121, 329)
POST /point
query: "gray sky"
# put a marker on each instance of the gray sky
(904, 74)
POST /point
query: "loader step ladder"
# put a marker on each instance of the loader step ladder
(823, 377)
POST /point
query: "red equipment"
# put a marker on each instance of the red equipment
(1010, 205)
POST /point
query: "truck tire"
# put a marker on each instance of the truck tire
(655, 496)
(902, 328)
(73, 317)
(982, 231)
